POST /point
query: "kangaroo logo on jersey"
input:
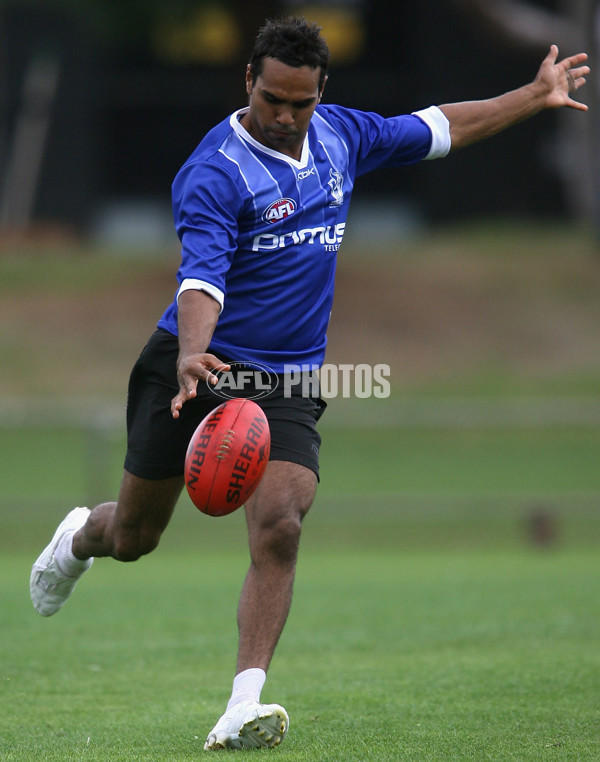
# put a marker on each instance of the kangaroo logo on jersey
(279, 210)
(336, 181)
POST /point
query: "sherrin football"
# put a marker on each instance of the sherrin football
(227, 456)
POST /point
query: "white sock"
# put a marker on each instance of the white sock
(247, 686)
(67, 562)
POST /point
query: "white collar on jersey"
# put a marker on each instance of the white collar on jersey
(243, 133)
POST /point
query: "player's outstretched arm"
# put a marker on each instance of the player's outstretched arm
(555, 84)
(197, 317)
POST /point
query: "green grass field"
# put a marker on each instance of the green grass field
(427, 623)
(447, 603)
(386, 656)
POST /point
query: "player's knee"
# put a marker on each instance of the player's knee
(279, 538)
(275, 520)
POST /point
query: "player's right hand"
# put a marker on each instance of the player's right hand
(190, 370)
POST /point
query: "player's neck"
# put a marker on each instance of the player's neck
(291, 150)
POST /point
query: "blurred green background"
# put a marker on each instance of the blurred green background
(490, 437)
(475, 279)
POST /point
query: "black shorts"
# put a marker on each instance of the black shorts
(157, 443)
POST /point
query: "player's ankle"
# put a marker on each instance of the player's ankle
(66, 560)
(247, 686)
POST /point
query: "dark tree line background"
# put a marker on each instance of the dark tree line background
(105, 100)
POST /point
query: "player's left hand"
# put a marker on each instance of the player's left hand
(562, 79)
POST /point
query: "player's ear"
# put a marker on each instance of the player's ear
(249, 79)
(323, 87)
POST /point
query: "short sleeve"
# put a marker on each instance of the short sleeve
(439, 125)
(206, 205)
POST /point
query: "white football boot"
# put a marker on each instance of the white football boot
(49, 586)
(249, 725)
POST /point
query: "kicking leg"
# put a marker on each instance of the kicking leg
(274, 515)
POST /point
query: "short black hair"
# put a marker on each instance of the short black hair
(293, 41)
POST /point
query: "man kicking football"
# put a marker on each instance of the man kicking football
(260, 208)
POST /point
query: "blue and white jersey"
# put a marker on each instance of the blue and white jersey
(260, 231)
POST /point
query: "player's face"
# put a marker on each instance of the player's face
(282, 101)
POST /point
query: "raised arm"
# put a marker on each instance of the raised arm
(552, 88)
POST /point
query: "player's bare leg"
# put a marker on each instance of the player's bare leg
(126, 529)
(274, 515)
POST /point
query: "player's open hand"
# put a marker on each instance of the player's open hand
(191, 370)
(563, 79)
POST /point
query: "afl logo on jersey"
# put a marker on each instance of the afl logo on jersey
(279, 210)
